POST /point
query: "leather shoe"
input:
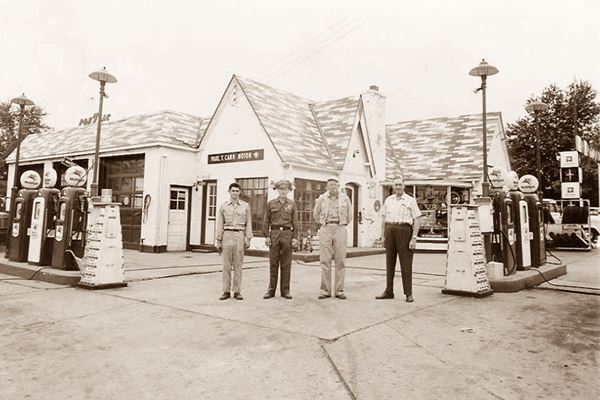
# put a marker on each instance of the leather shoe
(384, 296)
(238, 296)
(225, 296)
(268, 295)
(286, 296)
(409, 299)
(341, 296)
(324, 296)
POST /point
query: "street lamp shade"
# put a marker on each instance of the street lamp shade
(483, 69)
(536, 106)
(103, 76)
(22, 100)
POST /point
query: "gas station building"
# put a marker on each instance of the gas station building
(170, 171)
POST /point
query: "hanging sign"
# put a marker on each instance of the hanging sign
(497, 177)
(30, 179)
(528, 184)
(75, 176)
(236, 156)
(50, 177)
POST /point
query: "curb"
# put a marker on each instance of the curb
(39, 273)
(527, 279)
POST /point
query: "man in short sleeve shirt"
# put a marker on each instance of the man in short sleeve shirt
(400, 227)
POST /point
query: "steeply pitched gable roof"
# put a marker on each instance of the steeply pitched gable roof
(315, 134)
(162, 127)
(442, 148)
(336, 120)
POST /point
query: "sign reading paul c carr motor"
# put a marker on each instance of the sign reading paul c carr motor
(236, 156)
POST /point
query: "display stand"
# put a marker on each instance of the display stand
(466, 273)
(103, 256)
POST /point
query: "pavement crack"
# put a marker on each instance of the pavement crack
(417, 344)
(337, 371)
(253, 324)
(385, 321)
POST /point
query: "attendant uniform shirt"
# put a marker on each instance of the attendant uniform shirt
(333, 214)
(280, 213)
(403, 209)
(234, 215)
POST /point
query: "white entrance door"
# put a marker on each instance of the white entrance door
(210, 213)
(178, 219)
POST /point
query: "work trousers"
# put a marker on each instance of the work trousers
(280, 256)
(333, 240)
(397, 239)
(233, 258)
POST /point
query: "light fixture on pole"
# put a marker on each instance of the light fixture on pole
(22, 101)
(535, 108)
(102, 76)
(484, 70)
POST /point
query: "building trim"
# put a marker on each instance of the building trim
(103, 152)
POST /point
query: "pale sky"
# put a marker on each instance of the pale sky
(179, 55)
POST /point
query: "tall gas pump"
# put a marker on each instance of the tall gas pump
(504, 237)
(71, 222)
(521, 217)
(19, 235)
(528, 184)
(42, 230)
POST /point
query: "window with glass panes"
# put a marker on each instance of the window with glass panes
(306, 193)
(212, 201)
(125, 176)
(178, 199)
(254, 191)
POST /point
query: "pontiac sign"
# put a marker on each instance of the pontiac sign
(236, 156)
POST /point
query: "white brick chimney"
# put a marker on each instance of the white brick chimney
(374, 108)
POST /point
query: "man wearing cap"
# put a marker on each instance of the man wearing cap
(333, 212)
(234, 231)
(400, 226)
(280, 228)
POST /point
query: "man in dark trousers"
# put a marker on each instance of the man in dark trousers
(400, 226)
(280, 228)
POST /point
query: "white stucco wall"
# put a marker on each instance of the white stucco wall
(163, 168)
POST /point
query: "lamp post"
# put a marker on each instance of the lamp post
(484, 70)
(535, 108)
(102, 76)
(22, 101)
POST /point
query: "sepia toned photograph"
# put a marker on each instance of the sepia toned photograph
(331, 199)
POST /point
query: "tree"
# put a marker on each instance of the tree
(571, 111)
(33, 123)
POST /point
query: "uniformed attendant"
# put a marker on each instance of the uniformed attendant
(234, 231)
(333, 212)
(280, 228)
(400, 227)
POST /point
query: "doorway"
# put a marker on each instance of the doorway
(209, 213)
(178, 228)
(352, 193)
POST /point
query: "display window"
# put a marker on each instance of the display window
(254, 191)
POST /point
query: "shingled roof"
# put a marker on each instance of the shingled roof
(336, 120)
(162, 127)
(305, 132)
(442, 148)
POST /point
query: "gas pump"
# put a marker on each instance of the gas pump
(521, 217)
(504, 248)
(19, 235)
(503, 238)
(42, 231)
(528, 184)
(71, 220)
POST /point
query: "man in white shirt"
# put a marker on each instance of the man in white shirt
(400, 226)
